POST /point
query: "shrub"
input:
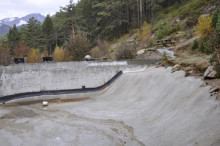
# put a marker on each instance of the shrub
(5, 56)
(195, 45)
(125, 52)
(206, 45)
(151, 43)
(202, 47)
(78, 46)
(204, 26)
(59, 54)
(161, 33)
(215, 18)
(166, 28)
(145, 32)
(101, 50)
(33, 56)
(217, 28)
(96, 53)
(21, 50)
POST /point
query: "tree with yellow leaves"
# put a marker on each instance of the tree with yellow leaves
(204, 26)
(59, 54)
(144, 32)
(33, 56)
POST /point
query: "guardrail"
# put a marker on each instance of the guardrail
(4, 99)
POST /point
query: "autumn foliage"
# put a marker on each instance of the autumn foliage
(59, 54)
(21, 50)
(204, 26)
(33, 56)
(5, 57)
(144, 32)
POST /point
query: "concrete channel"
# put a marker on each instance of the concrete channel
(144, 106)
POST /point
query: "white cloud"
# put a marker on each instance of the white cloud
(19, 8)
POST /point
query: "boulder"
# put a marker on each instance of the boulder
(214, 89)
(87, 57)
(176, 68)
(140, 52)
(210, 73)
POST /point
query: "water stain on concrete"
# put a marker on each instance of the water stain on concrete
(19, 114)
(56, 100)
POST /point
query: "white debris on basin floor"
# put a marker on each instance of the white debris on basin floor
(45, 103)
(154, 107)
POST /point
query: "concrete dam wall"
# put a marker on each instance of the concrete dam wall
(25, 78)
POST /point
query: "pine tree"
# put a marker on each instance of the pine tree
(32, 34)
(48, 33)
(13, 38)
(64, 23)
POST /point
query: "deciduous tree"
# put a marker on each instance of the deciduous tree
(59, 54)
(5, 56)
(204, 26)
(21, 50)
(33, 56)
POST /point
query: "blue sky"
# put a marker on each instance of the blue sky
(19, 8)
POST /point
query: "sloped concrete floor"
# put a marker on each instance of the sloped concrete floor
(154, 107)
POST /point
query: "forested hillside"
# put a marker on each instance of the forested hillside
(77, 29)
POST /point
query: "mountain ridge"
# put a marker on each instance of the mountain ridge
(7, 23)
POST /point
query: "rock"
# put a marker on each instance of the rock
(210, 73)
(176, 68)
(214, 89)
(191, 71)
(140, 52)
(87, 57)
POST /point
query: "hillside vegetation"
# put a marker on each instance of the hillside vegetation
(191, 25)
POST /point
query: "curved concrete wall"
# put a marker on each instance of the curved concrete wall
(56, 76)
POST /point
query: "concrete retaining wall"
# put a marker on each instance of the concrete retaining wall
(55, 76)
